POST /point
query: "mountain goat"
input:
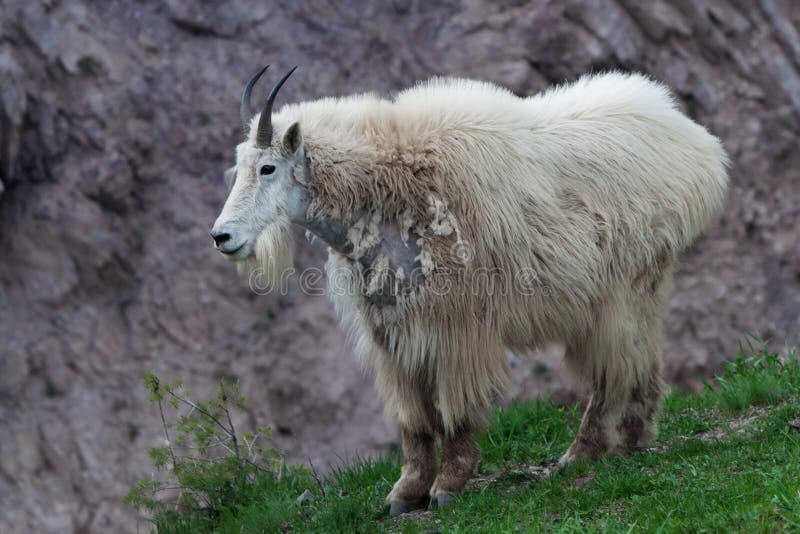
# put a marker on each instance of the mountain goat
(463, 220)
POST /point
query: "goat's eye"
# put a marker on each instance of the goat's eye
(266, 169)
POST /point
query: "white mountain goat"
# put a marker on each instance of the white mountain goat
(463, 220)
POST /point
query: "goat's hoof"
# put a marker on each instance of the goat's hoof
(397, 508)
(442, 500)
(567, 459)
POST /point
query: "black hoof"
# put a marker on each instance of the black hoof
(397, 508)
(442, 500)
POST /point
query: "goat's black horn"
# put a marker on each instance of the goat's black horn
(244, 107)
(264, 132)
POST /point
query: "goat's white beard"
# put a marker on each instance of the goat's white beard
(272, 258)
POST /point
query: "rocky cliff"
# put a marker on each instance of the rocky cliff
(118, 118)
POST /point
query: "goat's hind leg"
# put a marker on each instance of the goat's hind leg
(622, 359)
(608, 361)
(638, 425)
(598, 433)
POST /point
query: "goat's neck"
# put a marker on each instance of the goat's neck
(386, 247)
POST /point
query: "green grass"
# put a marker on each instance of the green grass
(726, 460)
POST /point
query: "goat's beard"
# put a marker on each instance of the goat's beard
(272, 261)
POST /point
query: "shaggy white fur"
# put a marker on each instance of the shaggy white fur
(591, 185)
(551, 218)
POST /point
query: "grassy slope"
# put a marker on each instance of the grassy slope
(726, 460)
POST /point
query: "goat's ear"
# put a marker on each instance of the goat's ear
(292, 139)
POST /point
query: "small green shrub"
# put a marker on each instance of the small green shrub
(209, 469)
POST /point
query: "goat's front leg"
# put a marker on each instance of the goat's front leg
(419, 470)
(459, 458)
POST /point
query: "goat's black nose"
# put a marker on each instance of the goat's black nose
(220, 237)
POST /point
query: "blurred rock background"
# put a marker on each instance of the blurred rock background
(117, 120)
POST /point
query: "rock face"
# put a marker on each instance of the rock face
(118, 118)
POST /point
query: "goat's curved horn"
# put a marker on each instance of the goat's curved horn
(244, 107)
(264, 132)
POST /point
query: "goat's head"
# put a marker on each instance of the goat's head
(254, 223)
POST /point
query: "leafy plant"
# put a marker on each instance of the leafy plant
(208, 468)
